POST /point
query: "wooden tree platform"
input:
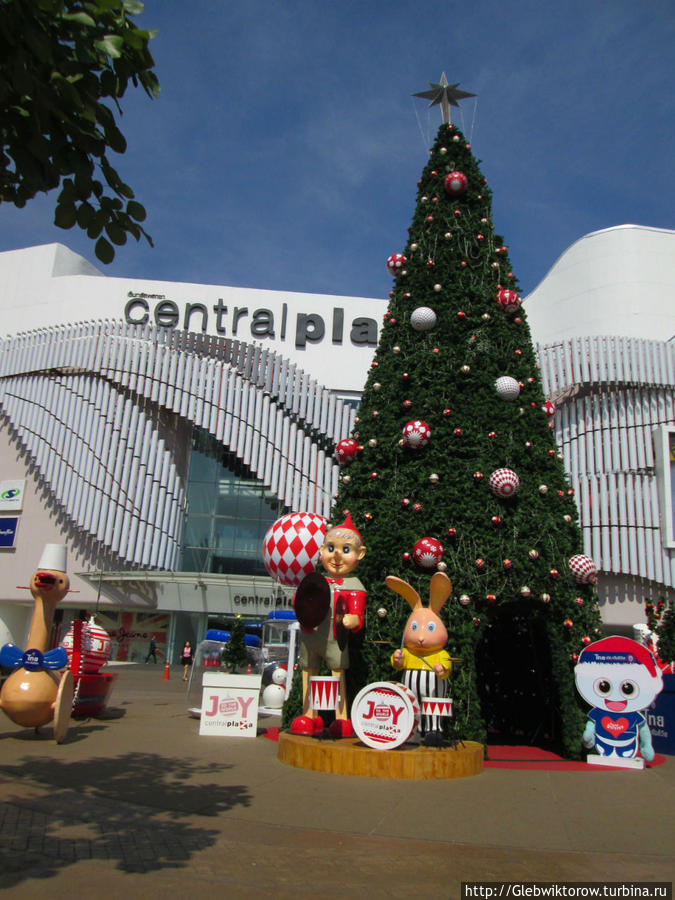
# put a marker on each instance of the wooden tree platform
(349, 756)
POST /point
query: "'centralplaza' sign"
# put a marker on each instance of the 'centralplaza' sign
(307, 327)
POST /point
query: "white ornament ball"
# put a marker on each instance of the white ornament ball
(434, 478)
(423, 318)
(507, 388)
(273, 696)
(504, 483)
(465, 599)
(543, 489)
(582, 569)
(382, 612)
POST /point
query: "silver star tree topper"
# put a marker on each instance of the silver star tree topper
(444, 94)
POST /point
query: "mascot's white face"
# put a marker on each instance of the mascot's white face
(617, 687)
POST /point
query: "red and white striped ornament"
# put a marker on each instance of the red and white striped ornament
(582, 569)
(508, 300)
(504, 483)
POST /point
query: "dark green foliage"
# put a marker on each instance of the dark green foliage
(419, 375)
(59, 60)
(234, 651)
(661, 620)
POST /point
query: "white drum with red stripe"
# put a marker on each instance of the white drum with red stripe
(436, 706)
(325, 691)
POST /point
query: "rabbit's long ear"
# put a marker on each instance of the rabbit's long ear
(439, 590)
(405, 590)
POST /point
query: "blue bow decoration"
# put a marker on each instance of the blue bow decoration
(11, 657)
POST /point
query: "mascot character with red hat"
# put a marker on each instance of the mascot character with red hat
(328, 608)
(618, 677)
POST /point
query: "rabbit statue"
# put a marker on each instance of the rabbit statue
(425, 664)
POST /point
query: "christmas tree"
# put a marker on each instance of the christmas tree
(453, 466)
(234, 652)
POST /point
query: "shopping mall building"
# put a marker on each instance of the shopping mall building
(158, 429)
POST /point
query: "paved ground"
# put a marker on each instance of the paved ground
(137, 804)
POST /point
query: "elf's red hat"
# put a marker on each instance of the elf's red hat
(348, 525)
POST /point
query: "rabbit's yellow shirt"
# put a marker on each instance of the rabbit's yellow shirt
(412, 660)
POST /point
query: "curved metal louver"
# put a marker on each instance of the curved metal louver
(71, 395)
(610, 394)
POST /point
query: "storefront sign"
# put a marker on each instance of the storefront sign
(11, 495)
(256, 324)
(8, 527)
(230, 705)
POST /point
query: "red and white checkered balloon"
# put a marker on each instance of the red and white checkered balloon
(428, 552)
(291, 546)
(582, 569)
(395, 263)
(416, 434)
(504, 483)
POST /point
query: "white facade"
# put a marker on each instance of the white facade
(604, 320)
(102, 380)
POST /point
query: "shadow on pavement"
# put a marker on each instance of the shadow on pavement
(133, 810)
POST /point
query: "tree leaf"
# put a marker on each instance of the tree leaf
(136, 211)
(116, 233)
(82, 18)
(111, 45)
(104, 251)
(65, 215)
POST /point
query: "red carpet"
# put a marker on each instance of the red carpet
(508, 757)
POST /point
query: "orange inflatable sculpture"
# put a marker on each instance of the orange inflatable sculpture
(37, 693)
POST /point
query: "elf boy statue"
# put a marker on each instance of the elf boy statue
(328, 608)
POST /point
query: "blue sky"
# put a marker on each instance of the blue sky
(284, 150)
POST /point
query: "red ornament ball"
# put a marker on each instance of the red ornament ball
(456, 184)
(549, 408)
(508, 300)
(504, 483)
(346, 451)
(395, 263)
(582, 569)
(428, 552)
(416, 434)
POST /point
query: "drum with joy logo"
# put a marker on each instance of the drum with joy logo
(385, 715)
(436, 706)
(325, 691)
